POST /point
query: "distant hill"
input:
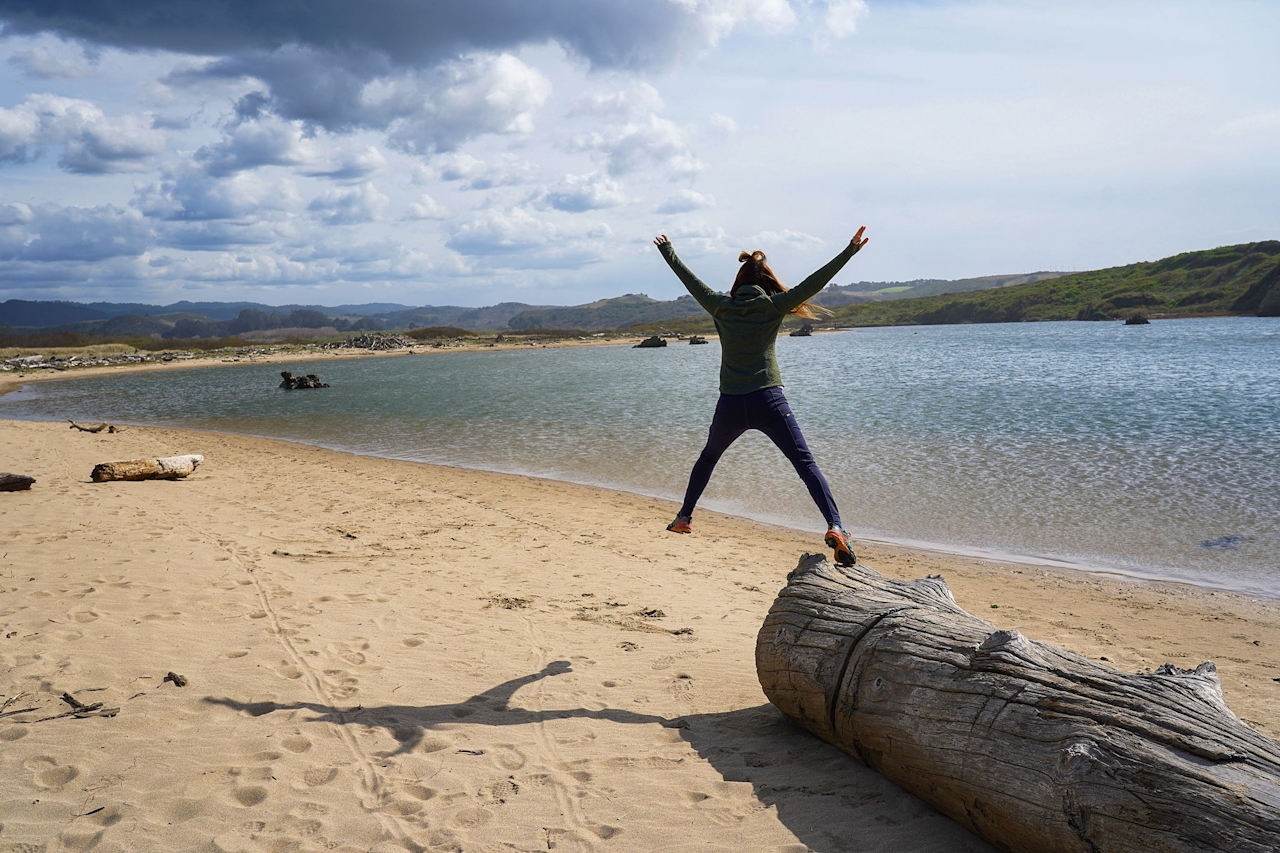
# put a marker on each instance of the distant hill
(879, 291)
(43, 315)
(1227, 280)
(490, 317)
(616, 313)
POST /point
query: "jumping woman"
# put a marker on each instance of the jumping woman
(751, 396)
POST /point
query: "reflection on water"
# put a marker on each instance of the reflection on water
(1151, 449)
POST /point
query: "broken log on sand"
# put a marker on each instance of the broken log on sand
(15, 482)
(164, 468)
(1035, 748)
(95, 428)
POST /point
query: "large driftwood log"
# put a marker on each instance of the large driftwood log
(1036, 749)
(164, 468)
(15, 482)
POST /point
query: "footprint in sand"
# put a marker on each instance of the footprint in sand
(109, 816)
(297, 743)
(248, 795)
(78, 839)
(181, 811)
(83, 616)
(317, 776)
(682, 689)
(401, 808)
(418, 792)
(412, 642)
(68, 636)
(471, 818)
(12, 733)
(47, 774)
(433, 744)
(500, 792)
(341, 684)
(235, 654)
(508, 757)
(289, 671)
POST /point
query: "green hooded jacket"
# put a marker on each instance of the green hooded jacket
(748, 321)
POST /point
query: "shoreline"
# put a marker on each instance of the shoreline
(1155, 574)
(378, 652)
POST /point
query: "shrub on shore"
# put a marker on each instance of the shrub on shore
(429, 333)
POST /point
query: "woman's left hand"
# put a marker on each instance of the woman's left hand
(661, 239)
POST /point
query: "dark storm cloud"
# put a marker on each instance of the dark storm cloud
(403, 33)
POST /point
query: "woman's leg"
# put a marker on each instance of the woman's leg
(727, 424)
(774, 418)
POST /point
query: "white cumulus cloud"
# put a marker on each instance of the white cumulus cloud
(580, 193)
(683, 201)
(92, 142)
(363, 203)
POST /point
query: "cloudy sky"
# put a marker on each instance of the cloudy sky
(477, 151)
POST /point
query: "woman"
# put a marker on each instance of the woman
(751, 396)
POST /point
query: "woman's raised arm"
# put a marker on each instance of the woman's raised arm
(705, 296)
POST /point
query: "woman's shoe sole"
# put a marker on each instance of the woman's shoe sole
(844, 554)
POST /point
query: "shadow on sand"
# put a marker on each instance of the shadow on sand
(829, 801)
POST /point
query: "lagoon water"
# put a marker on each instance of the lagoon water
(1150, 450)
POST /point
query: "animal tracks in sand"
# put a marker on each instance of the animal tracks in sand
(668, 661)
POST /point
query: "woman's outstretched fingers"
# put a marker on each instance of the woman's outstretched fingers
(858, 239)
(660, 239)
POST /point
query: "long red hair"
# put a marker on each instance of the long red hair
(755, 270)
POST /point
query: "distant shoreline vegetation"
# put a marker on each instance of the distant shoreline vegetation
(1230, 280)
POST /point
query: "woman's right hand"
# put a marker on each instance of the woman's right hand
(858, 240)
(661, 240)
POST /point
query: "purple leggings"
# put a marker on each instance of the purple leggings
(767, 411)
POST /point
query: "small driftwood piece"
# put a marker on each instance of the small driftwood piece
(164, 468)
(1036, 749)
(175, 679)
(94, 427)
(15, 482)
(80, 710)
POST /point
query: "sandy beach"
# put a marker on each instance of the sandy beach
(384, 655)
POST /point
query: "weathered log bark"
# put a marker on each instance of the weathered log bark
(15, 482)
(164, 468)
(1036, 749)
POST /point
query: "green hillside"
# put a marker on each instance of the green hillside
(1228, 280)
(606, 314)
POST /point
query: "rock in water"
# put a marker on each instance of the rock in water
(650, 342)
(292, 383)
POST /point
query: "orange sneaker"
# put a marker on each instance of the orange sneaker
(682, 524)
(837, 538)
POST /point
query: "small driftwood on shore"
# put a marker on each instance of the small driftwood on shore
(94, 427)
(15, 482)
(292, 383)
(164, 468)
(1036, 749)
